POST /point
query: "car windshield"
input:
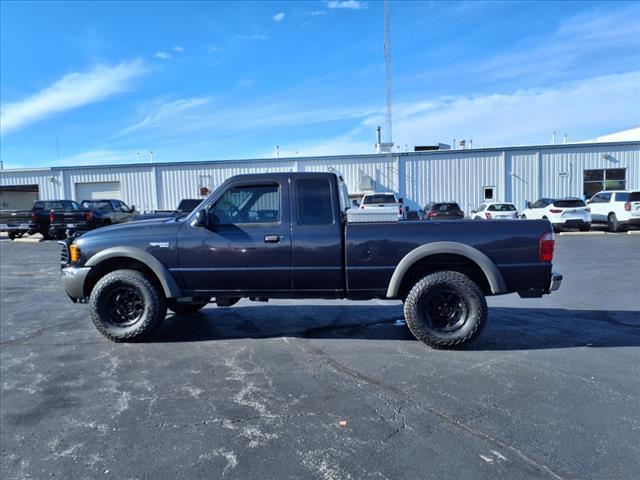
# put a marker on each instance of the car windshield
(380, 198)
(502, 207)
(569, 203)
(446, 207)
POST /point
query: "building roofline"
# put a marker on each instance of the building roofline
(327, 157)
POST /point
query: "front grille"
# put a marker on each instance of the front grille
(64, 254)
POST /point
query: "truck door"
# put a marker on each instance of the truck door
(246, 246)
(316, 230)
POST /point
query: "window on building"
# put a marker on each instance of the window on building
(604, 179)
(314, 202)
(489, 193)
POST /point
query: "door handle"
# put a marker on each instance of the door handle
(272, 238)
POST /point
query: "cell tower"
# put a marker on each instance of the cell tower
(387, 66)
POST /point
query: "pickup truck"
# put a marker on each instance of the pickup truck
(91, 214)
(37, 220)
(284, 235)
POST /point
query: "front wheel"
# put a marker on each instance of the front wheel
(126, 306)
(445, 309)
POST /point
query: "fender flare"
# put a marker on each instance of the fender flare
(169, 285)
(494, 277)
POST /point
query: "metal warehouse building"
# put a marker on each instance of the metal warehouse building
(515, 174)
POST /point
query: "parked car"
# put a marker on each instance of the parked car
(37, 220)
(562, 213)
(443, 211)
(617, 209)
(284, 235)
(382, 203)
(186, 206)
(495, 211)
(92, 214)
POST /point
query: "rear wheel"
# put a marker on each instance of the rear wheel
(126, 306)
(612, 223)
(445, 309)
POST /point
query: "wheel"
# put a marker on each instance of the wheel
(445, 309)
(45, 235)
(12, 235)
(187, 308)
(61, 235)
(585, 228)
(126, 306)
(524, 217)
(613, 223)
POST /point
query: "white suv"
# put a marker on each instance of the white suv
(562, 213)
(495, 211)
(618, 209)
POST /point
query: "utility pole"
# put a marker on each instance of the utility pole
(387, 65)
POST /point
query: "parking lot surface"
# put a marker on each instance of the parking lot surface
(326, 389)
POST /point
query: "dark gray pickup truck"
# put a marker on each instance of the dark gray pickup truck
(285, 235)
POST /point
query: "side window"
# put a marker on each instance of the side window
(605, 197)
(76, 206)
(481, 208)
(247, 204)
(538, 204)
(314, 201)
(124, 207)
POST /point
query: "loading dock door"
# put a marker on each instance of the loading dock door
(18, 197)
(98, 191)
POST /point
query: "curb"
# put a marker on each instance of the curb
(633, 232)
(581, 234)
(37, 238)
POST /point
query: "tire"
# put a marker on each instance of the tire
(524, 217)
(466, 320)
(585, 228)
(126, 306)
(187, 308)
(12, 235)
(612, 223)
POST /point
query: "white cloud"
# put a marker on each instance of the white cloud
(316, 13)
(214, 48)
(278, 17)
(346, 4)
(254, 36)
(168, 113)
(524, 116)
(178, 48)
(163, 55)
(71, 91)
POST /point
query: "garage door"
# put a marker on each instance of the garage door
(18, 197)
(98, 191)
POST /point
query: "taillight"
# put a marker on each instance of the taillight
(488, 215)
(34, 216)
(432, 214)
(547, 243)
(400, 211)
(555, 210)
(627, 207)
(52, 216)
(88, 215)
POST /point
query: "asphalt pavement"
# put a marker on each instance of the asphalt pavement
(326, 389)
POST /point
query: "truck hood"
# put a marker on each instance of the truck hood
(149, 227)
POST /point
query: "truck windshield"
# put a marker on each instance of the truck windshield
(379, 198)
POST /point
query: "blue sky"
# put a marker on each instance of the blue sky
(215, 80)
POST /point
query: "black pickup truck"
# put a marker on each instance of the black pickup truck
(186, 206)
(285, 235)
(91, 214)
(38, 219)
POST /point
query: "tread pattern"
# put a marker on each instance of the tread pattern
(155, 306)
(471, 294)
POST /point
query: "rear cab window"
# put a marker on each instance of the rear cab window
(379, 199)
(314, 201)
(502, 207)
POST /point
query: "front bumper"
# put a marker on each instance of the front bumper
(556, 280)
(73, 281)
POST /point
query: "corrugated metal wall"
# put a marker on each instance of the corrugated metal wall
(518, 174)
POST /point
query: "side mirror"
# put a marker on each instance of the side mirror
(589, 201)
(201, 217)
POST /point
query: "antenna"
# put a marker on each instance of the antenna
(387, 65)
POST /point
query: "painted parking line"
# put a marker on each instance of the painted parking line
(582, 234)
